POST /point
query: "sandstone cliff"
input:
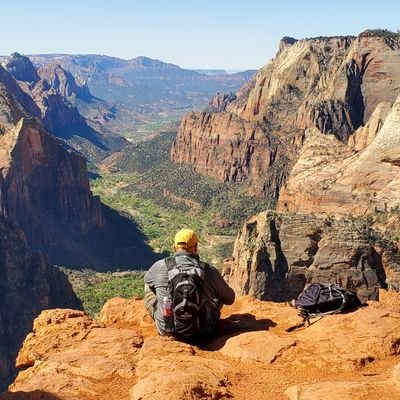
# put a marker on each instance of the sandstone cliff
(28, 284)
(46, 186)
(276, 255)
(15, 103)
(70, 356)
(64, 83)
(46, 191)
(56, 95)
(360, 178)
(96, 112)
(333, 84)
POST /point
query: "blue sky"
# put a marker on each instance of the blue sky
(229, 34)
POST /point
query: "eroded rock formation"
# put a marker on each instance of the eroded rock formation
(55, 95)
(356, 179)
(46, 189)
(46, 91)
(21, 68)
(70, 356)
(28, 284)
(348, 174)
(63, 82)
(332, 84)
(276, 255)
(219, 102)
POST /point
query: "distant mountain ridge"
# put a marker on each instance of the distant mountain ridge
(98, 69)
(89, 64)
(52, 95)
(142, 90)
(211, 71)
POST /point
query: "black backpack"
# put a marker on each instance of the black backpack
(324, 299)
(186, 292)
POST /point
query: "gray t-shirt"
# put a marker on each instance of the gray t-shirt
(214, 287)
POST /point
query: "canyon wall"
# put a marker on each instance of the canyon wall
(46, 189)
(277, 254)
(46, 192)
(52, 95)
(28, 284)
(360, 178)
(316, 132)
(332, 84)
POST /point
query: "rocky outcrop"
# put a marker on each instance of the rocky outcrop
(63, 82)
(46, 189)
(70, 356)
(242, 148)
(55, 95)
(219, 102)
(362, 178)
(15, 103)
(332, 84)
(276, 255)
(29, 284)
(21, 68)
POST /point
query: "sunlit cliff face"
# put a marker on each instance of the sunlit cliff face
(331, 84)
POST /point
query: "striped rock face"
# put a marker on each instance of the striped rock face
(361, 178)
(331, 84)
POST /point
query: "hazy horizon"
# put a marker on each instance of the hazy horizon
(228, 71)
(229, 35)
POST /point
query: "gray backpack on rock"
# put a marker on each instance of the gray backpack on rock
(320, 299)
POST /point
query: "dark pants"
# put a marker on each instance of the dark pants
(150, 301)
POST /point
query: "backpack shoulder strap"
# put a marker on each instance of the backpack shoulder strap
(204, 265)
(171, 263)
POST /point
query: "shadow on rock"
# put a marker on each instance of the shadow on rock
(118, 244)
(35, 395)
(234, 325)
(121, 243)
